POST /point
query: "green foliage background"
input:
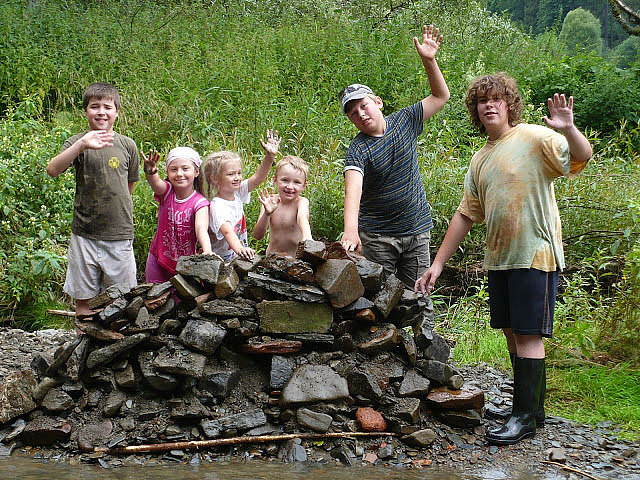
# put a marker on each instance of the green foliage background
(217, 74)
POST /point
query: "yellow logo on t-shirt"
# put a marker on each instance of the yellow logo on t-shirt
(114, 162)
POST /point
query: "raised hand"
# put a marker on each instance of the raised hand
(560, 112)
(430, 42)
(269, 201)
(150, 162)
(97, 139)
(272, 144)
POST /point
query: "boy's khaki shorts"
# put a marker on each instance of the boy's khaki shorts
(95, 265)
(407, 257)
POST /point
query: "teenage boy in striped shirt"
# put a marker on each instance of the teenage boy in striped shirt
(386, 214)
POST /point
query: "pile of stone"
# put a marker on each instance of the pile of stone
(319, 343)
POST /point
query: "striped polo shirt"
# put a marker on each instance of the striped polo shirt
(393, 199)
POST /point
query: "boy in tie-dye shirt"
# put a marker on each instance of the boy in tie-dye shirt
(509, 186)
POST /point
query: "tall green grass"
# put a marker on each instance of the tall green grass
(215, 75)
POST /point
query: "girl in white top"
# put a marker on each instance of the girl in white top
(227, 223)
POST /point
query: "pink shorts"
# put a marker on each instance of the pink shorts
(154, 272)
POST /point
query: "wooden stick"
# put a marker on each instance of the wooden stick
(198, 444)
(62, 313)
(570, 469)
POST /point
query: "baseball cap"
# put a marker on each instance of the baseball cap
(354, 91)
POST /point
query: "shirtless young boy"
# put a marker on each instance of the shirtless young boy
(286, 214)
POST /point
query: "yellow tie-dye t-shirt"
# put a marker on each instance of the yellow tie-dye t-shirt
(509, 185)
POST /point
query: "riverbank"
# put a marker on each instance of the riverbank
(592, 450)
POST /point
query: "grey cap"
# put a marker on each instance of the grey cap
(355, 91)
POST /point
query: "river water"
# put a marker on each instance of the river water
(25, 468)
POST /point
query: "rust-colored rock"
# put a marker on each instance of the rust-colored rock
(153, 303)
(337, 251)
(95, 330)
(312, 251)
(370, 420)
(272, 347)
(467, 398)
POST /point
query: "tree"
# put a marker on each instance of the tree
(626, 16)
(581, 32)
(628, 52)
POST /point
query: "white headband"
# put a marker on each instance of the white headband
(186, 153)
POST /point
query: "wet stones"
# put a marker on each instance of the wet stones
(204, 267)
(441, 373)
(312, 251)
(314, 383)
(306, 350)
(57, 400)
(202, 336)
(110, 294)
(421, 438)
(239, 307)
(94, 435)
(241, 422)
(278, 347)
(287, 268)
(464, 398)
(106, 354)
(389, 296)
(294, 317)
(340, 280)
(301, 293)
(281, 371)
(414, 385)
(158, 380)
(15, 395)
(45, 431)
(176, 359)
(319, 422)
(185, 288)
(219, 381)
(364, 384)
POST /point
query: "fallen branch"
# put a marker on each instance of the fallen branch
(571, 469)
(200, 444)
(62, 313)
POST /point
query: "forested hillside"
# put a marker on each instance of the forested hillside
(542, 15)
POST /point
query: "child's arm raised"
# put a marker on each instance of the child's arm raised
(303, 218)
(561, 119)
(151, 172)
(202, 230)
(270, 150)
(427, 51)
(234, 242)
(94, 139)
(269, 203)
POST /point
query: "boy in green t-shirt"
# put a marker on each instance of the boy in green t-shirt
(509, 186)
(106, 163)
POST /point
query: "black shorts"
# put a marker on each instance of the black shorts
(523, 300)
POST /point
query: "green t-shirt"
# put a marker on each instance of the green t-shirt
(103, 208)
(509, 185)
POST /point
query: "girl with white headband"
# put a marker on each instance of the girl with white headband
(183, 213)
